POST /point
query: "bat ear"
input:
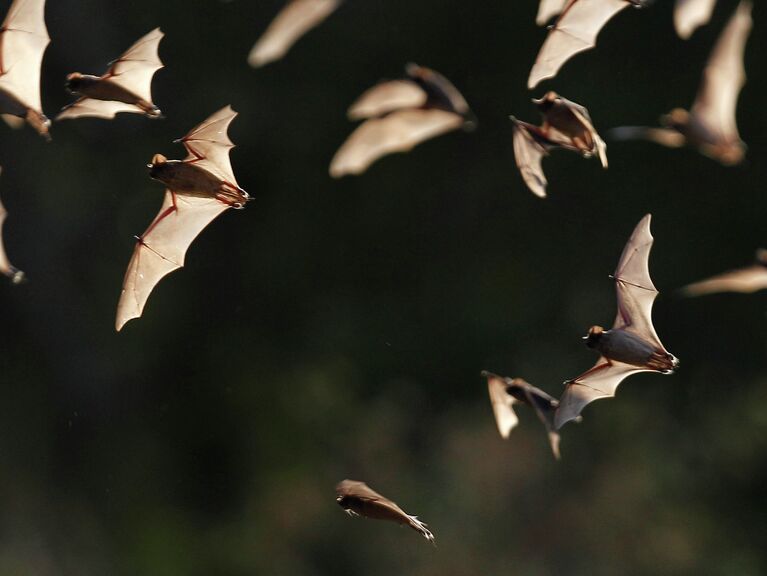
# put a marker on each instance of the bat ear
(158, 159)
(74, 76)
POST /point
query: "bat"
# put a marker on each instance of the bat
(547, 9)
(398, 115)
(575, 30)
(631, 345)
(16, 275)
(506, 392)
(358, 499)
(690, 14)
(198, 189)
(746, 280)
(710, 125)
(565, 125)
(23, 39)
(293, 21)
(125, 87)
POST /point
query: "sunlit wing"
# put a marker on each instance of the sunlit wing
(136, 67)
(502, 404)
(528, 153)
(96, 108)
(663, 136)
(208, 145)
(542, 404)
(745, 280)
(690, 14)
(387, 97)
(583, 116)
(547, 9)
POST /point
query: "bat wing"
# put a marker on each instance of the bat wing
(502, 403)
(208, 145)
(23, 39)
(293, 21)
(96, 108)
(547, 9)
(163, 248)
(690, 14)
(399, 131)
(542, 404)
(724, 77)
(387, 97)
(6, 267)
(575, 31)
(583, 119)
(745, 280)
(528, 153)
(136, 67)
(663, 136)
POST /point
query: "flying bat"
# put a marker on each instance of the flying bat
(293, 21)
(575, 30)
(710, 125)
(23, 39)
(631, 345)
(198, 189)
(690, 14)
(400, 114)
(125, 87)
(16, 275)
(506, 392)
(547, 9)
(746, 280)
(358, 499)
(565, 125)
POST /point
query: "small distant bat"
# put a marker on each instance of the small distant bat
(631, 345)
(400, 114)
(506, 392)
(16, 275)
(358, 499)
(293, 21)
(575, 30)
(746, 280)
(125, 87)
(23, 39)
(690, 14)
(198, 189)
(547, 9)
(710, 125)
(565, 125)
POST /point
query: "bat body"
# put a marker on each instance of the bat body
(632, 344)
(399, 115)
(198, 189)
(710, 125)
(125, 87)
(16, 275)
(506, 392)
(690, 14)
(293, 21)
(746, 280)
(565, 125)
(575, 30)
(23, 39)
(358, 499)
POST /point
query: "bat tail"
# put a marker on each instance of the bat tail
(421, 528)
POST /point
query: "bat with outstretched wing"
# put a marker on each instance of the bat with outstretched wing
(125, 87)
(293, 21)
(198, 189)
(358, 499)
(575, 30)
(746, 280)
(398, 115)
(547, 9)
(691, 14)
(6, 268)
(23, 39)
(632, 344)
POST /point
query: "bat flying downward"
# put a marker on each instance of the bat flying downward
(400, 114)
(125, 87)
(710, 124)
(358, 499)
(16, 275)
(631, 345)
(23, 39)
(746, 280)
(690, 14)
(565, 125)
(198, 189)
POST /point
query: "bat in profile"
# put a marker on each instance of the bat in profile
(691, 14)
(631, 345)
(565, 125)
(506, 392)
(710, 126)
(358, 499)
(198, 189)
(400, 114)
(23, 39)
(746, 280)
(575, 30)
(16, 275)
(547, 9)
(125, 87)
(293, 21)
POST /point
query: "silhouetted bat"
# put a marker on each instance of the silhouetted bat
(631, 345)
(575, 30)
(506, 392)
(16, 275)
(400, 114)
(746, 280)
(690, 14)
(358, 499)
(125, 87)
(710, 125)
(293, 21)
(547, 9)
(23, 39)
(199, 188)
(565, 125)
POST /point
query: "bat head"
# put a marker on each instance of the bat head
(74, 81)
(593, 336)
(678, 119)
(761, 256)
(548, 100)
(156, 166)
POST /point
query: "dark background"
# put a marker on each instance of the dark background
(337, 329)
